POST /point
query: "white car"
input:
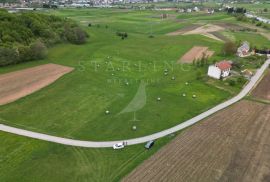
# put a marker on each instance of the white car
(118, 146)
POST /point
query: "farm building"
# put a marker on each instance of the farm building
(220, 70)
(243, 50)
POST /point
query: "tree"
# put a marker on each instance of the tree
(75, 35)
(38, 50)
(229, 48)
(25, 53)
(8, 56)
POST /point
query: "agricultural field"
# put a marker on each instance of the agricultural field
(232, 145)
(262, 90)
(124, 76)
(27, 81)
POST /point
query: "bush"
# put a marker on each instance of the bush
(229, 48)
(241, 80)
(25, 53)
(38, 50)
(123, 35)
(199, 75)
(232, 82)
(8, 56)
(259, 24)
(75, 35)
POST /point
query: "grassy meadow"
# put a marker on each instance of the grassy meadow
(75, 105)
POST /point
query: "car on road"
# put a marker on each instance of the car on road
(149, 144)
(118, 146)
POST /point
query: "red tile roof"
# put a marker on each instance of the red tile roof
(224, 65)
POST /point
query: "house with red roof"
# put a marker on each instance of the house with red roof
(220, 70)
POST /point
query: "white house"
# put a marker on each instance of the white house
(219, 70)
(243, 50)
(196, 9)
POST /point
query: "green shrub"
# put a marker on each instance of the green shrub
(232, 82)
(8, 56)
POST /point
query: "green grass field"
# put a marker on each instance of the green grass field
(75, 105)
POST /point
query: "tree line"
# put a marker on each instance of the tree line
(26, 36)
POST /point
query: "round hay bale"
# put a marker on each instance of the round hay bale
(165, 73)
(186, 83)
(194, 96)
(173, 78)
(158, 99)
(134, 128)
(107, 112)
(184, 95)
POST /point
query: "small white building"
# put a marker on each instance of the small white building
(188, 10)
(196, 9)
(220, 70)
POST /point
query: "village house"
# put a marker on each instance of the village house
(220, 70)
(243, 50)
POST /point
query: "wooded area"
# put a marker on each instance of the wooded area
(26, 36)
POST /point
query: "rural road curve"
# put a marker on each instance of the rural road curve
(103, 144)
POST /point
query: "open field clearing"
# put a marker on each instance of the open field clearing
(196, 53)
(18, 84)
(232, 145)
(262, 91)
(75, 106)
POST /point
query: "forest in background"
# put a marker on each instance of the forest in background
(26, 36)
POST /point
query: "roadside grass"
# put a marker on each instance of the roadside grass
(24, 159)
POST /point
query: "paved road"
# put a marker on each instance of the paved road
(92, 144)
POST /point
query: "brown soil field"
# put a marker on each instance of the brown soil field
(184, 30)
(232, 145)
(195, 53)
(205, 30)
(262, 91)
(18, 84)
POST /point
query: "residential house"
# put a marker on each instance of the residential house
(220, 70)
(243, 50)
